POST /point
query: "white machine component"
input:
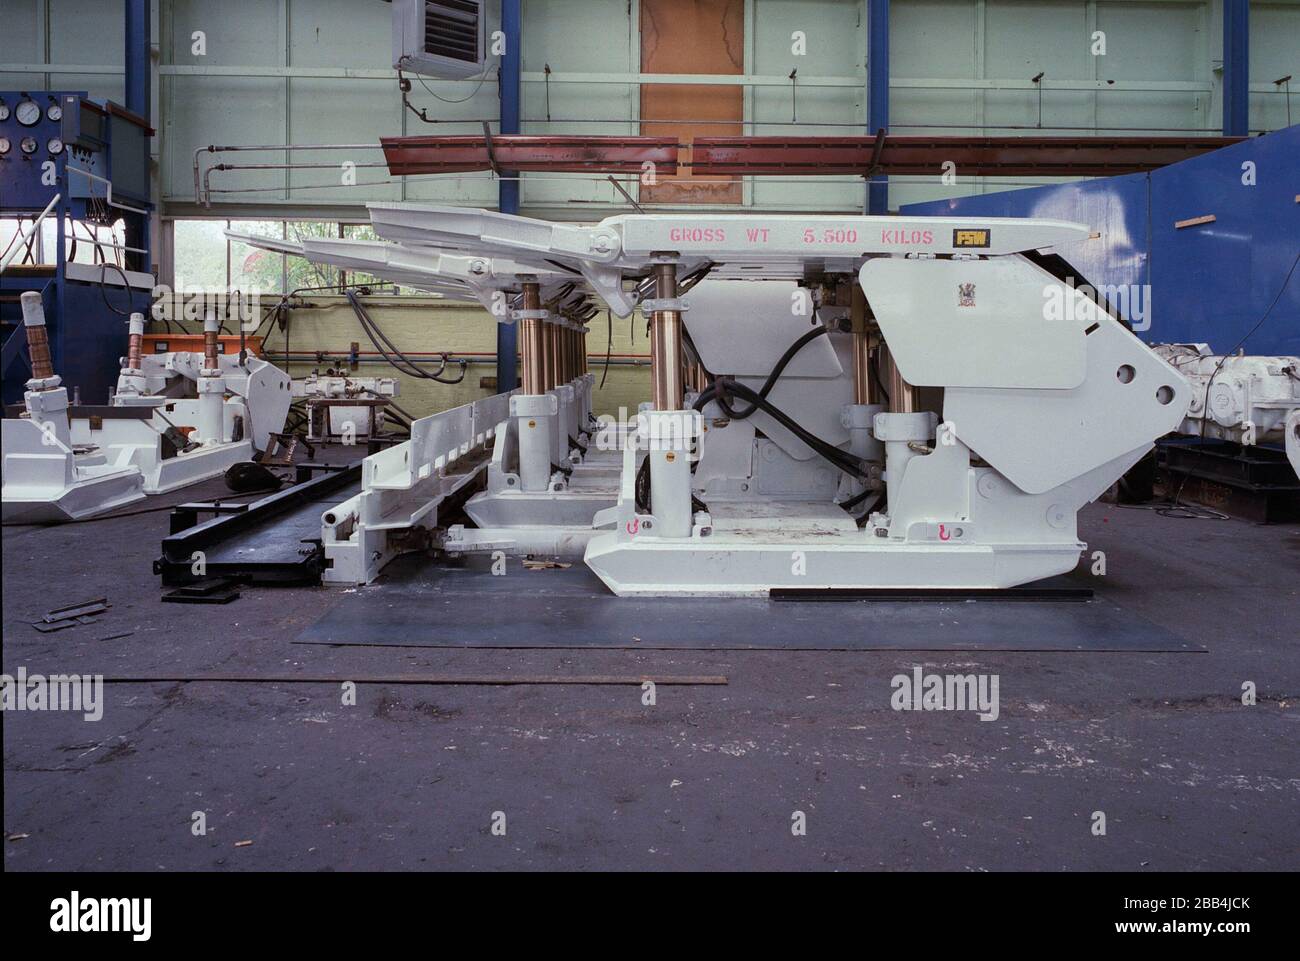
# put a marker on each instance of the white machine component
(848, 402)
(403, 487)
(1249, 400)
(182, 440)
(452, 274)
(45, 477)
(340, 406)
(153, 433)
(544, 469)
(945, 433)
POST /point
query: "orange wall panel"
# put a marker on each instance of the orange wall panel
(692, 36)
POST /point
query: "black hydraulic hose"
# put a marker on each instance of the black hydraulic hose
(642, 491)
(372, 330)
(757, 400)
(846, 462)
(854, 501)
(875, 377)
(609, 348)
(375, 333)
(780, 367)
(126, 285)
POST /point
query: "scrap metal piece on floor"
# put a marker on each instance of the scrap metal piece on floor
(274, 540)
(282, 446)
(49, 627)
(72, 615)
(73, 611)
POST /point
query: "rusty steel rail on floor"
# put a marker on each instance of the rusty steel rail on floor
(883, 154)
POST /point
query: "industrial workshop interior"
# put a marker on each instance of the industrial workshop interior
(652, 435)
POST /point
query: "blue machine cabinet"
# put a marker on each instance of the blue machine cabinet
(95, 157)
(1210, 280)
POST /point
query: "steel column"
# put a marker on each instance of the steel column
(1236, 67)
(666, 343)
(863, 389)
(138, 43)
(534, 343)
(877, 93)
(508, 197)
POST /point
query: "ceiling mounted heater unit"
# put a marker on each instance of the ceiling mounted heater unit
(439, 38)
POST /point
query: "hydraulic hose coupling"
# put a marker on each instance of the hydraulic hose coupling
(38, 342)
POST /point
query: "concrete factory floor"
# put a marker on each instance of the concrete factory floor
(709, 777)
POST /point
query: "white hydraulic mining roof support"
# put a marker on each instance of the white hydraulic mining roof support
(477, 253)
(771, 245)
(454, 274)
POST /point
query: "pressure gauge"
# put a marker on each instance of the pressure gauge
(54, 113)
(28, 113)
(28, 144)
(55, 146)
(4, 146)
(4, 111)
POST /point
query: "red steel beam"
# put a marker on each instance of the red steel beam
(522, 152)
(808, 156)
(982, 156)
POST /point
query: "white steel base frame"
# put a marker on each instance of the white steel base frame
(403, 487)
(46, 482)
(968, 547)
(522, 488)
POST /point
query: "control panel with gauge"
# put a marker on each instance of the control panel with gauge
(63, 142)
(94, 157)
(32, 147)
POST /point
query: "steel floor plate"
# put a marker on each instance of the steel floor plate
(416, 604)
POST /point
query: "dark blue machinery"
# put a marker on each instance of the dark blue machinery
(95, 158)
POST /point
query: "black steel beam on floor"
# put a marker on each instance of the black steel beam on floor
(284, 526)
(1256, 483)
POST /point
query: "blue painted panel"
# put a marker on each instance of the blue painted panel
(85, 351)
(1221, 277)
(86, 336)
(1209, 283)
